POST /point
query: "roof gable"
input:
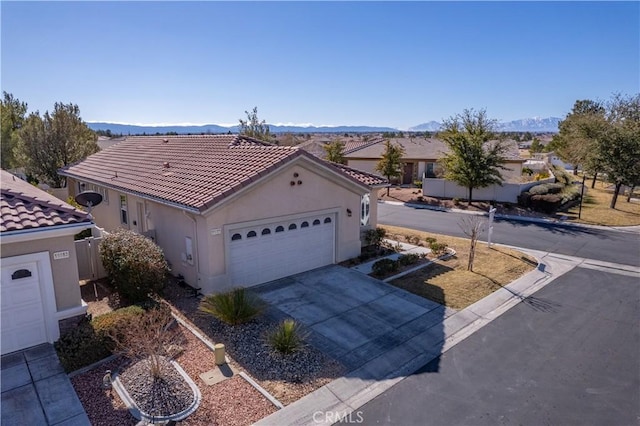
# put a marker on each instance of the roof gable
(23, 206)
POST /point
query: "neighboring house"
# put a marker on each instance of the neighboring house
(552, 159)
(229, 210)
(40, 289)
(421, 158)
(316, 146)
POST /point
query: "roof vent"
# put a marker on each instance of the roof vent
(165, 140)
(166, 165)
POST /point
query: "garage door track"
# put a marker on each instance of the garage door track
(353, 317)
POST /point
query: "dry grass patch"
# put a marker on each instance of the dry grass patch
(449, 283)
(596, 211)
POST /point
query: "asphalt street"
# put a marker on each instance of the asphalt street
(569, 358)
(609, 246)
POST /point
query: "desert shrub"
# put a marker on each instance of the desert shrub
(527, 171)
(562, 176)
(80, 347)
(233, 307)
(547, 203)
(430, 240)
(136, 265)
(417, 183)
(546, 188)
(456, 201)
(412, 239)
(287, 337)
(570, 193)
(110, 323)
(438, 249)
(408, 259)
(374, 237)
(384, 266)
(540, 176)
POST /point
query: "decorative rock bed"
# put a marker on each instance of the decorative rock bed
(172, 396)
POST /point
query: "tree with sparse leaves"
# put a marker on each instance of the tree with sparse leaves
(390, 165)
(475, 158)
(53, 141)
(335, 151)
(254, 128)
(472, 227)
(13, 115)
(619, 149)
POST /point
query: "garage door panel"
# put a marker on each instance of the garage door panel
(23, 316)
(274, 255)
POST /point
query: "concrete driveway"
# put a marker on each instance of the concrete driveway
(36, 390)
(353, 317)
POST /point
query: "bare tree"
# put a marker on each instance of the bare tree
(472, 226)
(149, 336)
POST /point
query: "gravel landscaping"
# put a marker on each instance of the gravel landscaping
(287, 377)
(231, 402)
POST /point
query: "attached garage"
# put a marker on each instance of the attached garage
(28, 302)
(265, 252)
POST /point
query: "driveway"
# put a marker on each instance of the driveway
(353, 317)
(36, 390)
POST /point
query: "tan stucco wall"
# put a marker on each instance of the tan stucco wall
(277, 198)
(368, 166)
(65, 271)
(514, 173)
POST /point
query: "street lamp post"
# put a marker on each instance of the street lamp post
(584, 177)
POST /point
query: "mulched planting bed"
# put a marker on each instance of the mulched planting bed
(287, 377)
(231, 402)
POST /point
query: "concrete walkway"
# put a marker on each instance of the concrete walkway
(345, 395)
(36, 390)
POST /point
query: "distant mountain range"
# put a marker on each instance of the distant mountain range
(525, 125)
(131, 129)
(536, 124)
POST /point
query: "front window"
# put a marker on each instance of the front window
(365, 207)
(123, 210)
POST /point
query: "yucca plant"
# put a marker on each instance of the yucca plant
(233, 307)
(287, 337)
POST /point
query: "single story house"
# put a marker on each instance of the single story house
(40, 290)
(421, 157)
(229, 210)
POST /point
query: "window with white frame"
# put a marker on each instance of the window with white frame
(123, 210)
(365, 208)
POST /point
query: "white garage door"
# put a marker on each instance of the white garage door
(258, 254)
(23, 315)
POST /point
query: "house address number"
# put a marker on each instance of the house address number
(61, 255)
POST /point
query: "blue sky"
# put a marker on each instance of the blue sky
(325, 63)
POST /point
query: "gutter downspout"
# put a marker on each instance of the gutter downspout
(195, 238)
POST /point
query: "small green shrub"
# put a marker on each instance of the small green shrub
(233, 307)
(412, 239)
(374, 237)
(527, 171)
(80, 347)
(570, 193)
(288, 337)
(547, 203)
(384, 266)
(417, 183)
(136, 265)
(562, 176)
(109, 323)
(540, 176)
(408, 259)
(438, 249)
(430, 240)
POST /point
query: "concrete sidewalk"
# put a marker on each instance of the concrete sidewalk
(345, 395)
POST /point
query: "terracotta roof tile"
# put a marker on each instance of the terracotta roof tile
(193, 171)
(369, 179)
(23, 206)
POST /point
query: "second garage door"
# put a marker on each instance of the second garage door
(258, 254)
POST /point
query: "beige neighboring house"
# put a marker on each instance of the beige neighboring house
(421, 158)
(228, 210)
(40, 290)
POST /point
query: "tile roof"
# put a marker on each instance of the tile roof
(419, 148)
(367, 178)
(192, 171)
(23, 206)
